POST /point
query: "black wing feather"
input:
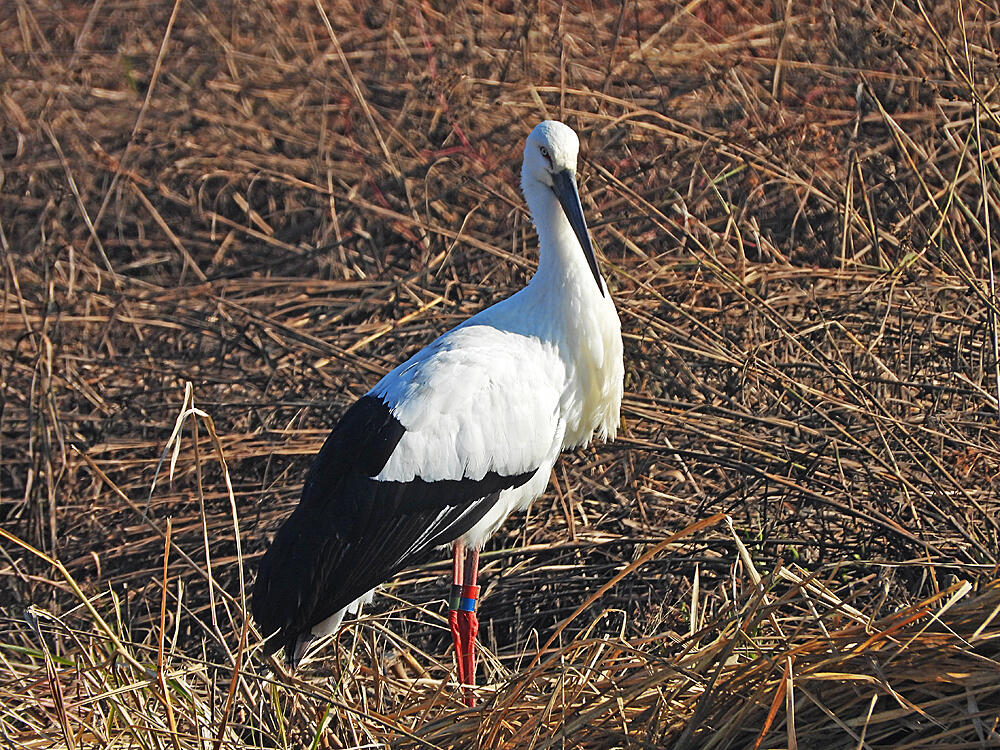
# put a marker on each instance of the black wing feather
(350, 532)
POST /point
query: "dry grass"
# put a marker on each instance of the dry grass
(253, 210)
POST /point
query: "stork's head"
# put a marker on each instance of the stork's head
(550, 161)
(551, 148)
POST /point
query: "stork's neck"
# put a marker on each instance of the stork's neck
(561, 261)
(567, 309)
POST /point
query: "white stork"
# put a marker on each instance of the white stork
(446, 445)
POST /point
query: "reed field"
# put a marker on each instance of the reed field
(222, 222)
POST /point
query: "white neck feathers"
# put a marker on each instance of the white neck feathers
(561, 261)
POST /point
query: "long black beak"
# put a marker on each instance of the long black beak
(564, 186)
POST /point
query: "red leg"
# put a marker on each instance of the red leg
(467, 617)
(457, 576)
(462, 615)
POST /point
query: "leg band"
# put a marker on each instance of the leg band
(463, 598)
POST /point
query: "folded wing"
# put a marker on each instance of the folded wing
(412, 465)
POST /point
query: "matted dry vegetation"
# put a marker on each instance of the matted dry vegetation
(265, 205)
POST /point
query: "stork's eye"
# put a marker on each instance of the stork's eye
(545, 153)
